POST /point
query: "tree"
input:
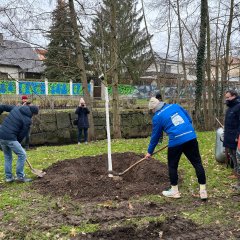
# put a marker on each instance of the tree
(132, 42)
(114, 73)
(61, 60)
(81, 65)
(201, 61)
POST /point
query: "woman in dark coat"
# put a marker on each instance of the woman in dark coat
(83, 124)
(232, 128)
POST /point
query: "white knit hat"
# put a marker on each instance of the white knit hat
(82, 101)
(153, 103)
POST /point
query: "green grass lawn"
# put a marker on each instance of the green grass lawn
(22, 210)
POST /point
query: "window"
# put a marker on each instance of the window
(192, 71)
(162, 68)
(3, 75)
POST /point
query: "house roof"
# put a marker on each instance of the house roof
(20, 54)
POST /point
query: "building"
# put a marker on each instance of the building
(19, 61)
(170, 71)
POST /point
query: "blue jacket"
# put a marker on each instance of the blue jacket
(176, 122)
(82, 113)
(16, 125)
(232, 124)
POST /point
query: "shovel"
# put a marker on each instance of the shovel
(37, 172)
(136, 163)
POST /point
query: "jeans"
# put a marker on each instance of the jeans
(191, 151)
(8, 147)
(85, 130)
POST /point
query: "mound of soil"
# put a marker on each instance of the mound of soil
(86, 178)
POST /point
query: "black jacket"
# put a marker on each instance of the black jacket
(232, 124)
(16, 125)
(82, 113)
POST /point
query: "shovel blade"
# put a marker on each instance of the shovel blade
(39, 173)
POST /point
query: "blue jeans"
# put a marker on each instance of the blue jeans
(85, 130)
(8, 147)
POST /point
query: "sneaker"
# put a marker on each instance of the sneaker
(171, 193)
(86, 142)
(23, 179)
(203, 194)
(79, 143)
(10, 180)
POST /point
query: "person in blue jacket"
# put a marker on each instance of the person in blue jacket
(13, 129)
(82, 111)
(177, 124)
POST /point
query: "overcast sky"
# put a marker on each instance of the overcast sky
(18, 21)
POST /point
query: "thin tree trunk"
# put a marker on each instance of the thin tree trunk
(114, 73)
(226, 59)
(181, 46)
(159, 84)
(200, 63)
(81, 67)
(210, 115)
(168, 47)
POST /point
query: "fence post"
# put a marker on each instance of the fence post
(46, 86)
(17, 87)
(71, 87)
(91, 88)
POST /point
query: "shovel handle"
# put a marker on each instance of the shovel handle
(159, 150)
(29, 164)
(219, 122)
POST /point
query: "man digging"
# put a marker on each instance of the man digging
(175, 121)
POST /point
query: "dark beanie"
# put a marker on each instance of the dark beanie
(34, 109)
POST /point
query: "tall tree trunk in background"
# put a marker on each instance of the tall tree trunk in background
(227, 50)
(200, 64)
(184, 84)
(169, 25)
(159, 84)
(210, 114)
(216, 100)
(114, 73)
(81, 66)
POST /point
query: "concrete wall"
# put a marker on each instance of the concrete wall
(57, 127)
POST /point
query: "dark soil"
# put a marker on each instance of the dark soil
(86, 178)
(173, 228)
(86, 181)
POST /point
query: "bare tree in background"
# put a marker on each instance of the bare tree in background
(159, 84)
(200, 64)
(114, 72)
(81, 66)
(226, 58)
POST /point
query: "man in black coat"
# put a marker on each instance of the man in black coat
(14, 128)
(82, 111)
(232, 127)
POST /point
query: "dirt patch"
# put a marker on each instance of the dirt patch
(86, 178)
(173, 228)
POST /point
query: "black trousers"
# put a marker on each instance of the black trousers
(191, 151)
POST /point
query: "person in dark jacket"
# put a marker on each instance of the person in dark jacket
(232, 128)
(14, 128)
(176, 122)
(83, 124)
(26, 140)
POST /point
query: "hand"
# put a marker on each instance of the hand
(148, 155)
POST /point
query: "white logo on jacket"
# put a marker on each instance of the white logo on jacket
(176, 119)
